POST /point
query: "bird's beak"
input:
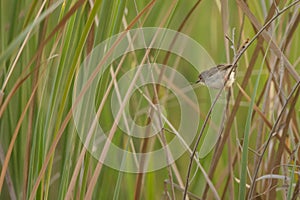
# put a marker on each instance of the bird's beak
(199, 80)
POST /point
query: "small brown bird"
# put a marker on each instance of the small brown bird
(215, 77)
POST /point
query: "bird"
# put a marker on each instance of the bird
(215, 77)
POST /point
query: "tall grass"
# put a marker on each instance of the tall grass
(42, 47)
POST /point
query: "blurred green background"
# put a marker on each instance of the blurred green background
(43, 43)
